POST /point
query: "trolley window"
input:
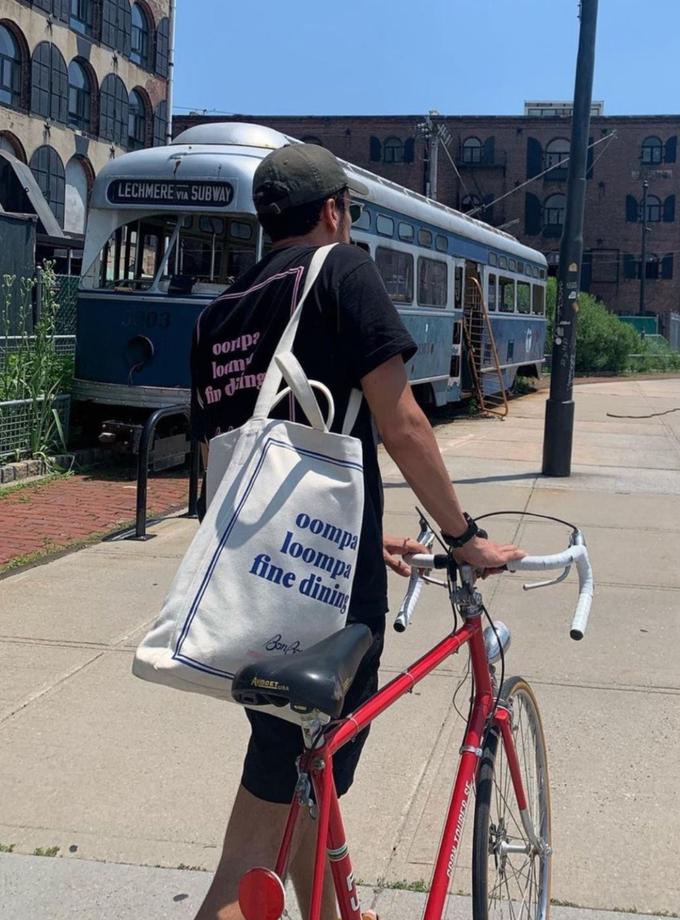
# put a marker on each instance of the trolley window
(364, 220)
(384, 225)
(493, 258)
(506, 294)
(432, 282)
(491, 297)
(406, 231)
(396, 269)
(523, 297)
(425, 237)
(441, 243)
(538, 303)
(458, 288)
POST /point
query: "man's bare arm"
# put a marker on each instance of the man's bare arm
(410, 441)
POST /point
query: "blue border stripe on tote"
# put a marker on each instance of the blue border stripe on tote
(177, 654)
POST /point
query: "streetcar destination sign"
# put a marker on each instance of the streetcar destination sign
(170, 192)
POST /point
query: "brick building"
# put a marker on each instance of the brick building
(481, 159)
(81, 81)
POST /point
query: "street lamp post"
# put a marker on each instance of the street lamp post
(559, 412)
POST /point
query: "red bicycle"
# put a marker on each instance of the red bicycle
(502, 758)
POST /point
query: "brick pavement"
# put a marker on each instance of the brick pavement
(47, 516)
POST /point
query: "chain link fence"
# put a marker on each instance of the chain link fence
(20, 420)
(674, 331)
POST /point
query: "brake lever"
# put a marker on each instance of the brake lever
(544, 584)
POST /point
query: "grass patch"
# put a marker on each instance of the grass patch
(185, 868)
(46, 851)
(402, 885)
(7, 847)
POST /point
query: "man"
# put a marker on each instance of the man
(350, 335)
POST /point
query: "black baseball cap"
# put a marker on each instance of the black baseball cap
(298, 174)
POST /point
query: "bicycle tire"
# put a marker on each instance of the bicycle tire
(513, 885)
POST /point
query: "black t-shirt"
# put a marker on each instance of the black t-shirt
(348, 327)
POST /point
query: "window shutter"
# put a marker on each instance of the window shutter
(629, 267)
(59, 88)
(670, 150)
(489, 152)
(534, 157)
(375, 149)
(40, 80)
(409, 150)
(669, 209)
(162, 47)
(632, 209)
(667, 267)
(532, 215)
(589, 166)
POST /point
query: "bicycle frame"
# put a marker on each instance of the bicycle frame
(317, 763)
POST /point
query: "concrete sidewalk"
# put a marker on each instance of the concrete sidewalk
(114, 771)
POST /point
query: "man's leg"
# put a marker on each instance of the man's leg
(253, 839)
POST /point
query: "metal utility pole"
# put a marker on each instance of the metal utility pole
(643, 248)
(559, 413)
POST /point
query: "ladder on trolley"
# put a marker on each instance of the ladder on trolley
(486, 375)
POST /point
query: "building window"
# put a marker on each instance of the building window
(82, 17)
(472, 150)
(11, 66)
(48, 170)
(432, 282)
(470, 202)
(160, 124)
(114, 111)
(79, 97)
(396, 269)
(553, 210)
(654, 209)
(139, 45)
(393, 150)
(60, 9)
(117, 25)
(556, 152)
(136, 121)
(651, 151)
(163, 47)
(49, 83)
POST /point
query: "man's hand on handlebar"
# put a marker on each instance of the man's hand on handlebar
(487, 557)
(396, 547)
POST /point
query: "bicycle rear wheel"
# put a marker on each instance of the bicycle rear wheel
(510, 875)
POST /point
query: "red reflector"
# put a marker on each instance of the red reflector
(261, 895)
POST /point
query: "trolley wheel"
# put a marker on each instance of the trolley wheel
(510, 876)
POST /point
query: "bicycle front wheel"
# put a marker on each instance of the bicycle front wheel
(511, 872)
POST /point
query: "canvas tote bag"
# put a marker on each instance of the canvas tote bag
(270, 570)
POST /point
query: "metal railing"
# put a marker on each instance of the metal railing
(143, 460)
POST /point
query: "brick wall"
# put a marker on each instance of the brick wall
(509, 145)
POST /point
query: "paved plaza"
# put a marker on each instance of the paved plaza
(133, 783)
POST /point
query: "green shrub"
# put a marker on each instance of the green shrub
(603, 342)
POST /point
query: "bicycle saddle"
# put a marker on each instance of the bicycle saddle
(317, 678)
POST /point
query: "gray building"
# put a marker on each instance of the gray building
(81, 81)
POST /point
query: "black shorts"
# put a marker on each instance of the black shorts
(269, 770)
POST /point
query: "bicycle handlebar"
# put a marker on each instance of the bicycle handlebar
(577, 554)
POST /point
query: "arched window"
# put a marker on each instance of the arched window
(49, 83)
(393, 150)
(11, 66)
(137, 121)
(470, 202)
(553, 210)
(163, 47)
(82, 17)
(139, 50)
(11, 144)
(48, 170)
(556, 151)
(78, 183)
(114, 108)
(79, 96)
(472, 150)
(160, 124)
(117, 25)
(654, 209)
(651, 150)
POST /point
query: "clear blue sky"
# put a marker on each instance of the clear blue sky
(366, 57)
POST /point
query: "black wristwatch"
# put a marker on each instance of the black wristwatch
(471, 531)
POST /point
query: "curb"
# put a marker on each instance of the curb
(27, 469)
